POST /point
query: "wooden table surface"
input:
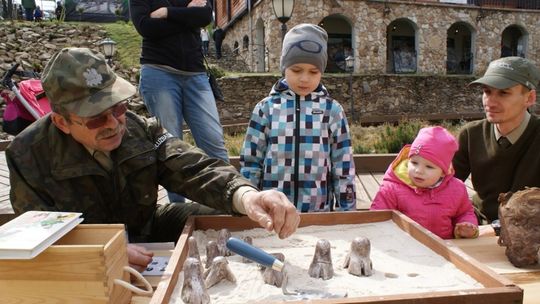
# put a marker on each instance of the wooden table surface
(487, 251)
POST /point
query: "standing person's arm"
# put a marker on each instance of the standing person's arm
(342, 171)
(461, 158)
(254, 148)
(166, 20)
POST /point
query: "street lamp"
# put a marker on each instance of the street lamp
(349, 63)
(283, 10)
(108, 48)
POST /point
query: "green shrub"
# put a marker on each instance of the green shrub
(216, 71)
(394, 138)
(360, 149)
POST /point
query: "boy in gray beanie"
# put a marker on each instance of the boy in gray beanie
(298, 139)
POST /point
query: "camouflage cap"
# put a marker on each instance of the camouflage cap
(80, 81)
(510, 71)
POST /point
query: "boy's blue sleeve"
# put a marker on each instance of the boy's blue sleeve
(343, 171)
(254, 148)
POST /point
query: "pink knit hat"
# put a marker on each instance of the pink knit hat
(435, 144)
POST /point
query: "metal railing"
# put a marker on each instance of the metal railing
(522, 4)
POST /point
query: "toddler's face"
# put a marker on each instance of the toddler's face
(303, 78)
(423, 173)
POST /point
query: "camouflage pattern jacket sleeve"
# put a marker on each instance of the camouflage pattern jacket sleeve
(51, 171)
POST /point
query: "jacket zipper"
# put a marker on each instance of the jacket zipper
(296, 149)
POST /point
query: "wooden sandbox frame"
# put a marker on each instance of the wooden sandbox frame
(497, 289)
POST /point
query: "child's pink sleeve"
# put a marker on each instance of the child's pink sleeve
(465, 208)
(385, 198)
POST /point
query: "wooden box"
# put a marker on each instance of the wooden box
(497, 289)
(79, 268)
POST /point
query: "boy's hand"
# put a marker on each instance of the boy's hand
(466, 230)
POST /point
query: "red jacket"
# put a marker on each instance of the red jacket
(437, 209)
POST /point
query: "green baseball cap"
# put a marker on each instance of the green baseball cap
(80, 81)
(507, 72)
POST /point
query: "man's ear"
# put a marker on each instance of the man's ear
(60, 122)
(531, 100)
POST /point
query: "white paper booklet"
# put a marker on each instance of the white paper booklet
(29, 234)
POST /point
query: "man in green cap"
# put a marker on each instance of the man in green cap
(91, 155)
(501, 151)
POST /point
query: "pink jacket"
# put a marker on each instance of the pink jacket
(438, 209)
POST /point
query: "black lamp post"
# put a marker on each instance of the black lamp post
(108, 48)
(349, 63)
(283, 10)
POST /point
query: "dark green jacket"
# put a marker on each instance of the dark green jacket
(28, 4)
(49, 170)
(495, 169)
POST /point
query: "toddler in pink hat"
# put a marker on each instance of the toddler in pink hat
(420, 183)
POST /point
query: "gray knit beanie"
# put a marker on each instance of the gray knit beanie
(305, 43)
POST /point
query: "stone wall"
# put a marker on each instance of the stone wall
(369, 21)
(32, 44)
(376, 98)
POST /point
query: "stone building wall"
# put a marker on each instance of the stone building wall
(377, 98)
(369, 21)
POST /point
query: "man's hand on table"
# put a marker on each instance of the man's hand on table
(486, 230)
(138, 257)
(272, 210)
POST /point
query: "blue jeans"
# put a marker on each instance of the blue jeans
(174, 98)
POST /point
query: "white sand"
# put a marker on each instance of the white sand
(400, 265)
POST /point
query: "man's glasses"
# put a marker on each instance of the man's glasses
(101, 119)
(308, 46)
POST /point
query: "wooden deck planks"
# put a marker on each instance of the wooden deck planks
(367, 185)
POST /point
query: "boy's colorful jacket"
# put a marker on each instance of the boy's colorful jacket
(437, 209)
(302, 147)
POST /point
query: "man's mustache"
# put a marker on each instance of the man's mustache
(110, 132)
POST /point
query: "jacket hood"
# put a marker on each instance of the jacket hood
(397, 171)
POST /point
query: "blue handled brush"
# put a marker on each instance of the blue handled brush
(253, 253)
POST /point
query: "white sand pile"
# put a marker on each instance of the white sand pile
(400, 265)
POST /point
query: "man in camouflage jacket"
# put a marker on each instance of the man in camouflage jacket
(91, 156)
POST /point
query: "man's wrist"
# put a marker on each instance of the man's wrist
(238, 198)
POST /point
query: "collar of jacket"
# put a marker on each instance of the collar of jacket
(282, 87)
(70, 159)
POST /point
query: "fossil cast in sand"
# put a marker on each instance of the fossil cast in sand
(212, 251)
(223, 236)
(218, 271)
(271, 276)
(321, 265)
(358, 261)
(193, 289)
